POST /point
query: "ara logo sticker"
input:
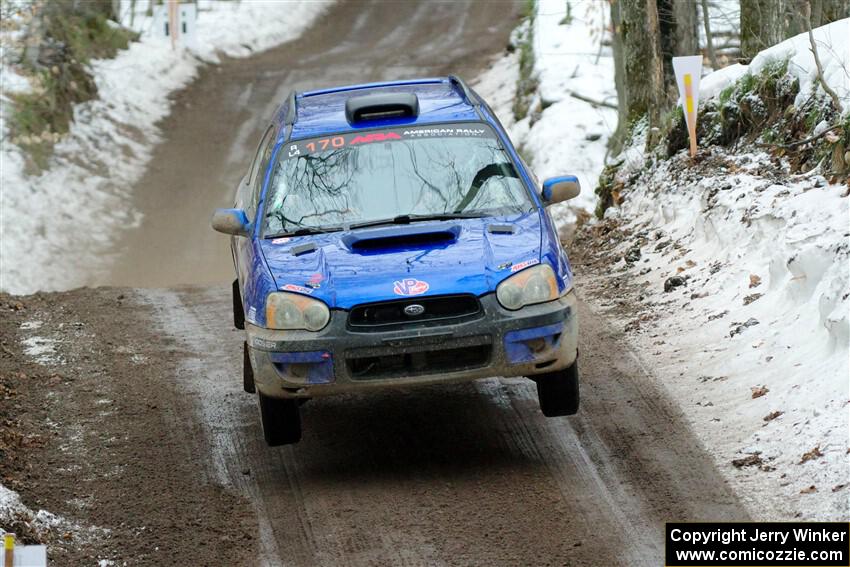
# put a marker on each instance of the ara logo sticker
(410, 286)
(523, 265)
(298, 288)
(376, 137)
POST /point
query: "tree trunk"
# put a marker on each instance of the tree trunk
(709, 39)
(678, 35)
(644, 73)
(762, 25)
(687, 27)
(615, 143)
(829, 11)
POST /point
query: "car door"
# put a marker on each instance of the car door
(247, 198)
(246, 252)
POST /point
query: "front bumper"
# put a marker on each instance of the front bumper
(303, 364)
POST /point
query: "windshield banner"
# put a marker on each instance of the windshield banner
(308, 146)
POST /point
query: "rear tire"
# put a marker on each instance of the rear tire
(558, 392)
(281, 420)
(238, 310)
(247, 370)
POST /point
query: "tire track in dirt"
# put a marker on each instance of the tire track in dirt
(468, 474)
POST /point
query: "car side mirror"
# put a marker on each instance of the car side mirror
(558, 189)
(231, 221)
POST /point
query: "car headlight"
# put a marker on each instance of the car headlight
(532, 285)
(291, 311)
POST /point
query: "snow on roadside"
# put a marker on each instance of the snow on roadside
(833, 44)
(754, 345)
(754, 342)
(563, 135)
(571, 135)
(751, 334)
(56, 228)
(40, 525)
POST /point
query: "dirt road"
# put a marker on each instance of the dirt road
(464, 475)
(127, 412)
(216, 123)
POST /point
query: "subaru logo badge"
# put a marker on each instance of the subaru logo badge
(414, 310)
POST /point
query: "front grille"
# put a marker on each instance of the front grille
(384, 315)
(375, 363)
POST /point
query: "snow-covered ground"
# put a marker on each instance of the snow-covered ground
(56, 227)
(754, 346)
(568, 136)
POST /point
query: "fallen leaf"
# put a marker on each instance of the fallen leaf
(811, 455)
(810, 490)
(755, 281)
(748, 461)
(772, 415)
(759, 391)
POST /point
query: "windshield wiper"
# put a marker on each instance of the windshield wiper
(407, 219)
(306, 230)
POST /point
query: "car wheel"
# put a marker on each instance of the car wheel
(247, 370)
(238, 310)
(558, 391)
(281, 420)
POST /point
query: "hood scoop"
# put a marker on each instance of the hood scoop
(406, 237)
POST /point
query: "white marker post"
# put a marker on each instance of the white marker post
(688, 70)
(21, 555)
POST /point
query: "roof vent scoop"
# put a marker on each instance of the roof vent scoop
(381, 106)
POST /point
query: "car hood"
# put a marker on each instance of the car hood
(420, 259)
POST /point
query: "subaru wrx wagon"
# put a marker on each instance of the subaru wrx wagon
(389, 235)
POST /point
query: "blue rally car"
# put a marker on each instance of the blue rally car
(389, 235)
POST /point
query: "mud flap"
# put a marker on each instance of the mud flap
(238, 310)
(247, 370)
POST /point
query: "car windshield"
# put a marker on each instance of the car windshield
(443, 170)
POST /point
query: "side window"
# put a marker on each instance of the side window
(258, 170)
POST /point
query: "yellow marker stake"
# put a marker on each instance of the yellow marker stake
(690, 114)
(9, 546)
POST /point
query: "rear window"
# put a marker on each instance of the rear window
(350, 178)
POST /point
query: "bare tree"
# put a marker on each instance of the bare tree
(762, 24)
(678, 33)
(836, 100)
(644, 74)
(709, 39)
(615, 143)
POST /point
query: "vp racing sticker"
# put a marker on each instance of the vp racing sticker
(297, 288)
(523, 265)
(410, 286)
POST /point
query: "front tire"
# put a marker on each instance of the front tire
(281, 420)
(558, 392)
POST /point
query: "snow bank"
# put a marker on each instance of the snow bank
(56, 227)
(764, 304)
(753, 342)
(833, 43)
(754, 345)
(571, 135)
(14, 515)
(562, 135)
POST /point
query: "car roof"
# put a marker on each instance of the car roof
(320, 112)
